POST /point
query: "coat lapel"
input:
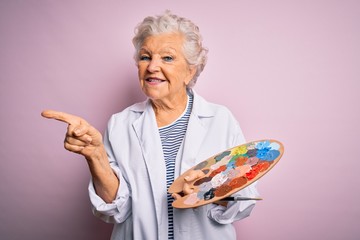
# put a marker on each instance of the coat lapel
(195, 134)
(193, 139)
(147, 131)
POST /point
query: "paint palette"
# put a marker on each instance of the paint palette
(227, 172)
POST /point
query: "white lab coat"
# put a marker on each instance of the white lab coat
(135, 153)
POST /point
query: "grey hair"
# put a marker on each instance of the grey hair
(195, 54)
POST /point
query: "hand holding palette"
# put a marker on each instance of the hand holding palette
(227, 172)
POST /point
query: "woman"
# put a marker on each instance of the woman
(149, 144)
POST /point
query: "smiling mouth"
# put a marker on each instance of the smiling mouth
(154, 80)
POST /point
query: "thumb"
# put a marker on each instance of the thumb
(86, 129)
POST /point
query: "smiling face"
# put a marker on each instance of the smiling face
(162, 68)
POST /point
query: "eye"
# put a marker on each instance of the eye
(145, 58)
(168, 59)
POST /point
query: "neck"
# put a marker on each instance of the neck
(167, 111)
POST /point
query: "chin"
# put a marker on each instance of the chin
(153, 95)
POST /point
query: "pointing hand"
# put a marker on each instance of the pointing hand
(80, 137)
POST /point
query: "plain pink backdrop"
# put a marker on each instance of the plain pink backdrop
(288, 70)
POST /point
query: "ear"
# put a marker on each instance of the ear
(192, 72)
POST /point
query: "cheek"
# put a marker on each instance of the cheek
(141, 71)
(186, 76)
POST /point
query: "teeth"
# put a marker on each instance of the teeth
(154, 80)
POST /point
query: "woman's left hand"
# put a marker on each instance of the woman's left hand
(189, 180)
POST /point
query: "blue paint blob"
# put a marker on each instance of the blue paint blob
(262, 145)
(262, 153)
(274, 146)
(231, 164)
(271, 155)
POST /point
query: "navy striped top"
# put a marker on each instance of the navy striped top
(171, 138)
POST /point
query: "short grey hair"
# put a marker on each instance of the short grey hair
(195, 54)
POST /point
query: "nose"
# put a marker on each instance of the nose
(154, 65)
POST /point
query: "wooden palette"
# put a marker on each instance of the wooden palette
(228, 172)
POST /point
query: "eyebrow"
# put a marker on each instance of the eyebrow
(165, 50)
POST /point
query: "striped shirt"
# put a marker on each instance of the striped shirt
(171, 138)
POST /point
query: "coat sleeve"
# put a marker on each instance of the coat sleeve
(235, 210)
(120, 208)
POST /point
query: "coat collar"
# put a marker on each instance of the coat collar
(201, 108)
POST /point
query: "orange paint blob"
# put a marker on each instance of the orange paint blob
(218, 170)
(222, 190)
(240, 161)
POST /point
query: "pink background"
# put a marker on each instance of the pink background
(288, 70)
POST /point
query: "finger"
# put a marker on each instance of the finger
(193, 175)
(95, 135)
(188, 188)
(81, 130)
(73, 148)
(85, 133)
(72, 136)
(63, 117)
(176, 196)
(80, 141)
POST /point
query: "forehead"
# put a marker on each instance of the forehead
(163, 42)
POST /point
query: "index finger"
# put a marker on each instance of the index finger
(63, 117)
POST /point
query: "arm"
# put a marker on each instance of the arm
(84, 139)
